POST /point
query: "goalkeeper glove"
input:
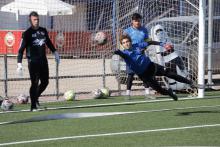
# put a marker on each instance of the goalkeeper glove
(57, 57)
(19, 69)
(168, 47)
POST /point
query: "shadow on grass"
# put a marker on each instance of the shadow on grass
(195, 112)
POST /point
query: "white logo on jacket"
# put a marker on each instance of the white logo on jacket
(39, 42)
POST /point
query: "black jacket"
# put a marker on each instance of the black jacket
(35, 42)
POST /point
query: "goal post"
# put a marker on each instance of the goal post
(201, 48)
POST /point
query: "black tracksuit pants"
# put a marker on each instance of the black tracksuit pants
(130, 79)
(39, 72)
(157, 70)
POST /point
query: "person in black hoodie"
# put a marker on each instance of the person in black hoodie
(34, 40)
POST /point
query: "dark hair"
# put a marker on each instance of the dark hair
(33, 13)
(136, 16)
(122, 37)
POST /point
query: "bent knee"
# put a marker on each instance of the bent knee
(45, 83)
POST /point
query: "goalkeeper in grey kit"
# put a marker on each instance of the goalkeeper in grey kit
(34, 40)
(144, 67)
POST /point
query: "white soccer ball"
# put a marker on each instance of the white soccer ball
(97, 94)
(69, 95)
(106, 92)
(7, 105)
(22, 99)
(100, 38)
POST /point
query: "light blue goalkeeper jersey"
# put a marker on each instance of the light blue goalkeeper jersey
(137, 35)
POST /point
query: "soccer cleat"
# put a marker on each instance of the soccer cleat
(174, 96)
(33, 109)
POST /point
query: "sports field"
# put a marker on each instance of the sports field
(116, 122)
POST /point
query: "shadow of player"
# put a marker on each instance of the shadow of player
(201, 112)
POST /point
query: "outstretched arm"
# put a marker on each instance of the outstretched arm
(148, 43)
(120, 53)
(151, 42)
(167, 46)
(144, 45)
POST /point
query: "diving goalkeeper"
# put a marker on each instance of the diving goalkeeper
(145, 68)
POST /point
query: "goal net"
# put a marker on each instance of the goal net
(170, 21)
(85, 66)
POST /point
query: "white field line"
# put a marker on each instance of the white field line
(108, 134)
(81, 115)
(108, 104)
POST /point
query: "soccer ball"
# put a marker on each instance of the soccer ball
(22, 99)
(6, 105)
(97, 94)
(69, 95)
(106, 92)
(100, 38)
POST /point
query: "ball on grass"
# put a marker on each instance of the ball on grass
(106, 92)
(22, 99)
(97, 93)
(69, 95)
(7, 105)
